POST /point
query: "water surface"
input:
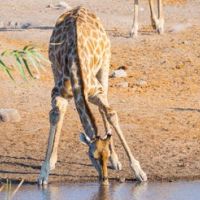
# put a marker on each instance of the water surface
(116, 191)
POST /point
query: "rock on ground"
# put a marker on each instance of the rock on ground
(119, 73)
(9, 115)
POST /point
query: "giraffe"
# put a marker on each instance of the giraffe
(157, 22)
(79, 51)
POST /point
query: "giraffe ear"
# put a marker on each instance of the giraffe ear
(107, 137)
(85, 139)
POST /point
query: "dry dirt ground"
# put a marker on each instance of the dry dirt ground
(160, 118)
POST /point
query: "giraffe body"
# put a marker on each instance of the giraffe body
(79, 51)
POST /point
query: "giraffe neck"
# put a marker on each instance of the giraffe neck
(77, 82)
(81, 103)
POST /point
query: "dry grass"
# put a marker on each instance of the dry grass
(172, 2)
(8, 189)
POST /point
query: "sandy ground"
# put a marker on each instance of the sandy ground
(160, 118)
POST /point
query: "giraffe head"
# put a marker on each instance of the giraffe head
(99, 153)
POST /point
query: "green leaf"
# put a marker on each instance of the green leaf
(41, 57)
(6, 69)
(33, 61)
(25, 59)
(19, 65)
(27, 67)
(5, 53)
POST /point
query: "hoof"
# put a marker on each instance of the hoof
(160, 26)
(142, 177)
(115, 163)
(42, 181)
(44, 174)
(117, 166)
(133, 34)
(134, 30)
(139, 173)
(160, 30)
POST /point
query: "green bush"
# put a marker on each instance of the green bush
(25, 60)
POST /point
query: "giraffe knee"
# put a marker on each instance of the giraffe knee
(112, 115)
(54, 116)
(59, 105)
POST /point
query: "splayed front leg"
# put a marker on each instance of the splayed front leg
(56, 117)
(112, 118)
(135, 165)
(45, 169)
